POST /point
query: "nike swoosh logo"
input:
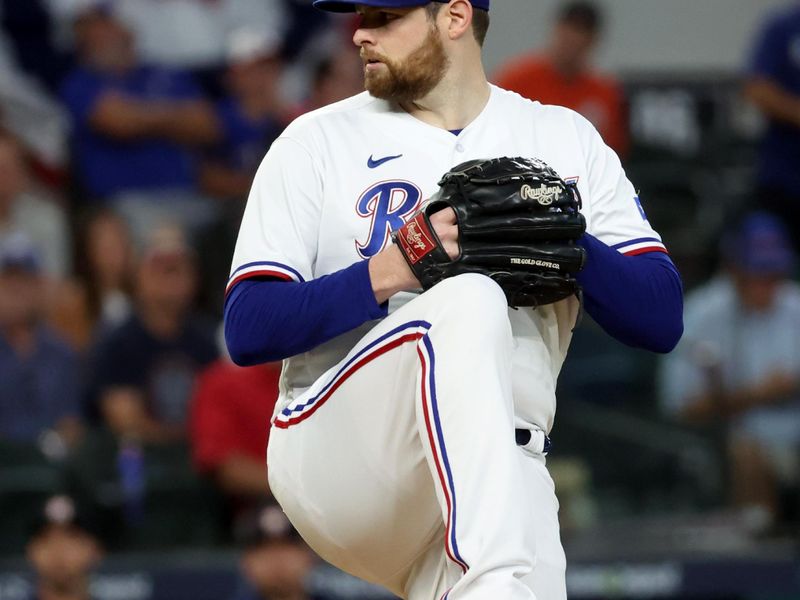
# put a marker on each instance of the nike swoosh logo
(377, 163)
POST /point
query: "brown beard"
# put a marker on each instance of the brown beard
(414, 77)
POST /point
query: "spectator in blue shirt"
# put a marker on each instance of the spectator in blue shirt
(738, 363)
(39, 382)
(143, 372)
(250, 115)
(773, 86)
(136, 127)
(144, 369)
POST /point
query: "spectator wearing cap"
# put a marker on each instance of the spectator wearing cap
(251, 115)
(39, 374)
(275, 562)
(336, 76)
(562, 74)
(133, 467)
(738, 363)
(144, 369)
(63, 552)
(135, 127)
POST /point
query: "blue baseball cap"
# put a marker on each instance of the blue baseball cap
(760, 245)
(343, 6)
(18, 252)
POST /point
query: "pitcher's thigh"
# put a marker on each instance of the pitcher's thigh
(353, 478)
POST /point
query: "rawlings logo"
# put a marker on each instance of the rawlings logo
(544, 194)
(416, 239)
(414, 236)
(546, 264)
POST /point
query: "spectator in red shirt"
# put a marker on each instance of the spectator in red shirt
(231, 412)
(562, 74)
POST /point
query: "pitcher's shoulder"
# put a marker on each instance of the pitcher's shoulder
(331, 114)
(513, 104)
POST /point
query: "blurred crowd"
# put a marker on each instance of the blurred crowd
(130, 131)
(737, 370)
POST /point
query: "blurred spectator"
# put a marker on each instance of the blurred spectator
(336, 77)
(145, 368)
(562, 74)
(135, 127)
(310, 39)
(773, 85)
(738, 364)
(63, 552)
(304, 24)
(189, 34)
(275, 562)
(250, 116)
(231, 412)
(39, 380)
(23, 209)
(98, 298)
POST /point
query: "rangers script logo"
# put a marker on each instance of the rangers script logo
(386, 204)
(544, 194)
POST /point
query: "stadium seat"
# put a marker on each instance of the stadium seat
(180, 509)
(27, 479)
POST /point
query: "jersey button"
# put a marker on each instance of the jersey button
(459, 148)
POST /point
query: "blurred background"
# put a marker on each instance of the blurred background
(132, 451)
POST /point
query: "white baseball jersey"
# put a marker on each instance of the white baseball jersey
(409, 474)
(339, 179)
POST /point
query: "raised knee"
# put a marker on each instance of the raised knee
(471, 287)
(472, 299)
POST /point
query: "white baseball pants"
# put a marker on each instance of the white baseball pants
(400, 466)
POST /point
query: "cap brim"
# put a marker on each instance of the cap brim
(339, 6)
(24, 265)
(767, 265)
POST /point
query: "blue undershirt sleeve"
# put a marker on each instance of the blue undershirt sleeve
(268, 320)
(636, 299)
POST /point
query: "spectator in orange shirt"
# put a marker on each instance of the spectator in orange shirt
(562, 74)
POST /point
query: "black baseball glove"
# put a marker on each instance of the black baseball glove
(517, 223)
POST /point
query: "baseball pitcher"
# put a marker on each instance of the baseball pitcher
(418, 255)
